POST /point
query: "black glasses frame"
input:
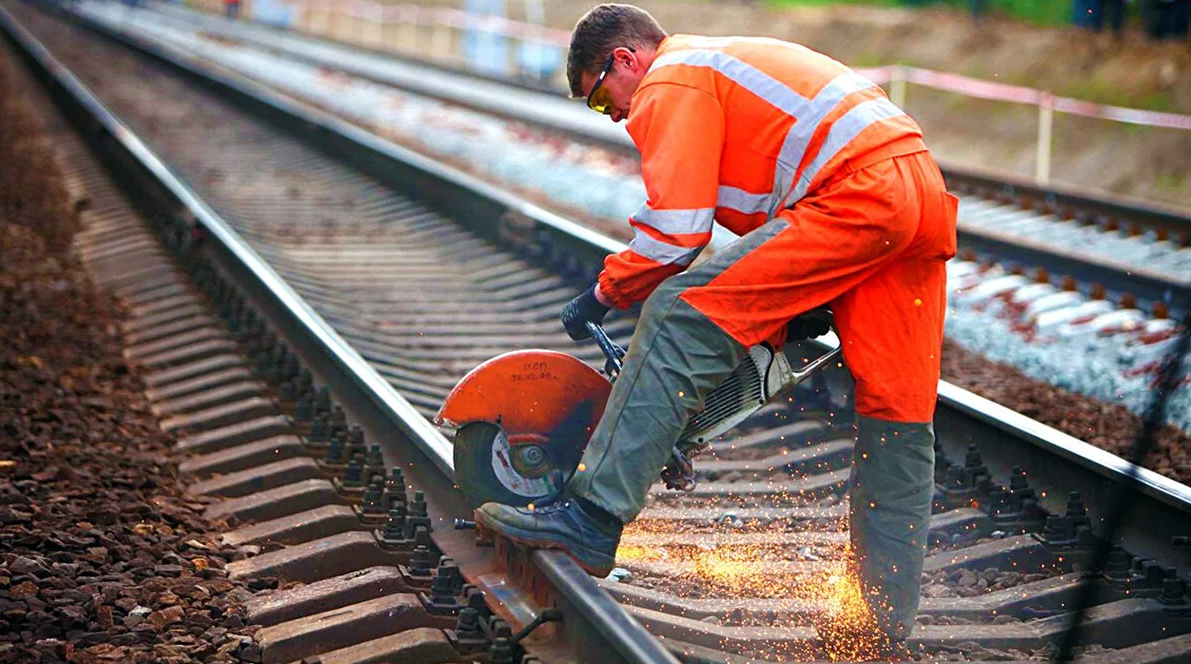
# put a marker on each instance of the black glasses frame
(599, 82)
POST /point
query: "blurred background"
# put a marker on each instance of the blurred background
(1133, 54)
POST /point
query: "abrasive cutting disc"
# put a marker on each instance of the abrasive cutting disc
(521, 422)
(488, 468)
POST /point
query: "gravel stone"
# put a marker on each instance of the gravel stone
(26, 565)
(166, 616)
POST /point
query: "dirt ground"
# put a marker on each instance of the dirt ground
(1150, 164)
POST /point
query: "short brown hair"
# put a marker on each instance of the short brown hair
(603, 29)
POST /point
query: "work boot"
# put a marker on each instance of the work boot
(584, 534)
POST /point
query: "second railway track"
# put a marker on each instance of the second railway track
(1124, 247)
(425, 273)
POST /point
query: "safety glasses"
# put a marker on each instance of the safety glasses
(599, 99)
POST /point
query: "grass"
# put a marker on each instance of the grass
(1168, 182)
(1035, 12)
(869, 60)
(823, 3)
(1098, 91)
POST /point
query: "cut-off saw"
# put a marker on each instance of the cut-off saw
(523, 419)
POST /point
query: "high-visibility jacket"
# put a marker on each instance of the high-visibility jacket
(735, 130)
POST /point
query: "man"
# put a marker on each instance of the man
(838, 202)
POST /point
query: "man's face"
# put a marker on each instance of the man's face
(615, 89)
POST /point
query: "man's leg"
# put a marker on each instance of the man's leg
(891, 487)
(677, 356)
(891, 328)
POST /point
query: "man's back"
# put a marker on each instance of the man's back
(790, 118)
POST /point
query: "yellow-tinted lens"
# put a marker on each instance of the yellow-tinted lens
(600, 101)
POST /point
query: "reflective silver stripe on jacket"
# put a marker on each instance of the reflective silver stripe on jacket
(808, 115)
(667, 254)
(676, 222)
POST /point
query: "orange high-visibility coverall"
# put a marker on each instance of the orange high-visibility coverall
(739, 131)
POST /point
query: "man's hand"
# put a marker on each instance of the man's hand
(586, 307)
(814, 323)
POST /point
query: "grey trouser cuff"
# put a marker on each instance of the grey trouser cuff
(891, 487)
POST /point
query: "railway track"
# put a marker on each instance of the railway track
(387, 276)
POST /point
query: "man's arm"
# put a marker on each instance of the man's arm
(680, 133)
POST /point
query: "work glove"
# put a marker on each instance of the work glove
(580, 311)
(814, 323)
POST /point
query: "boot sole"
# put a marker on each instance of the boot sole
(525, 538)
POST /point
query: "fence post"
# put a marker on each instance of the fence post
(897, 86)
(324, 14)
(1046, 119)
(378, 25)
(440, 40)
(407, 29)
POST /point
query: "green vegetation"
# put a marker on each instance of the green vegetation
(1168, 182)
(1037, 12)
(821, 3)
(869, 60)
(1098, 91)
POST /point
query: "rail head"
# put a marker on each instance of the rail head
(1065, 197)
(578, 590)
(1054, 443)
(1070, 448)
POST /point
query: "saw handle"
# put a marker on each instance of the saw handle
(814, 365)
(613, 352)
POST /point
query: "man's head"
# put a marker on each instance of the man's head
(611, 49)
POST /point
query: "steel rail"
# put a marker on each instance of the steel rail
(594, 623)
(964, 417)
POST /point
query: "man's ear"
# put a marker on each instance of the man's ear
(627, 58)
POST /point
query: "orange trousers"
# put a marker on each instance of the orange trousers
(872, 243)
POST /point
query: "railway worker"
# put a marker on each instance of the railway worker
(839, 203)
